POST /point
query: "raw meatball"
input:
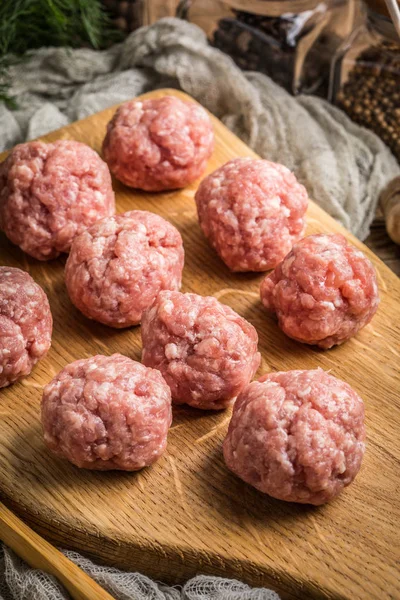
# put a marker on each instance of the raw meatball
(117, 267)
(49, 193)
(158, 144)
(251, 211)
(107, 412)
(25, 324)
(323, 292)
(297, 436)
(205, 351)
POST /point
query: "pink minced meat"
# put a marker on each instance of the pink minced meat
(205, 351)
(117, 267)
(25, 324)
(297, 436)
(323, 292)
(49, 193)
(158, 144)
(107, 412)
(251, 211)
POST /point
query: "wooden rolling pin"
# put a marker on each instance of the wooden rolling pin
(39, 554)
(390, 204)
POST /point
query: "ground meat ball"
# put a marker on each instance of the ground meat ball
(49, 193)
(297, 436)
(117, 267)
(251, 211)
(205, 351)
(107, 412)
(25, 324)
(158, 144)
(323, 292)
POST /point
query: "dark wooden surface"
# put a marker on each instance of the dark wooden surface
(380, 243)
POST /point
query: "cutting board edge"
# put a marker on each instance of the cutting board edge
(174, 560)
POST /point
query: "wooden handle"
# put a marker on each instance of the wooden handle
(379, 6)
(390, 204)
(39, 554)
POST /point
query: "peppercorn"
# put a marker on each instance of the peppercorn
(371, 94)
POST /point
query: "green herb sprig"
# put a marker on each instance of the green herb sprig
(29, 24)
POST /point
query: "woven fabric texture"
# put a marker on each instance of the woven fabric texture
(19, 582)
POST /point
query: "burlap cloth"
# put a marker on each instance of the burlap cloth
(343, 166)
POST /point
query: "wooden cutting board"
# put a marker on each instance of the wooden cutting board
(188, 514)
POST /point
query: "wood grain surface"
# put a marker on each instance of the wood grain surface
(188, 514)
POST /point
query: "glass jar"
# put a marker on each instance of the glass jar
(125, 14)
(365, 77)
(292, 41)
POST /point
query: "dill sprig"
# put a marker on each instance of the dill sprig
(29, 24)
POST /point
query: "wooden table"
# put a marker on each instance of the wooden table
(380, 243)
